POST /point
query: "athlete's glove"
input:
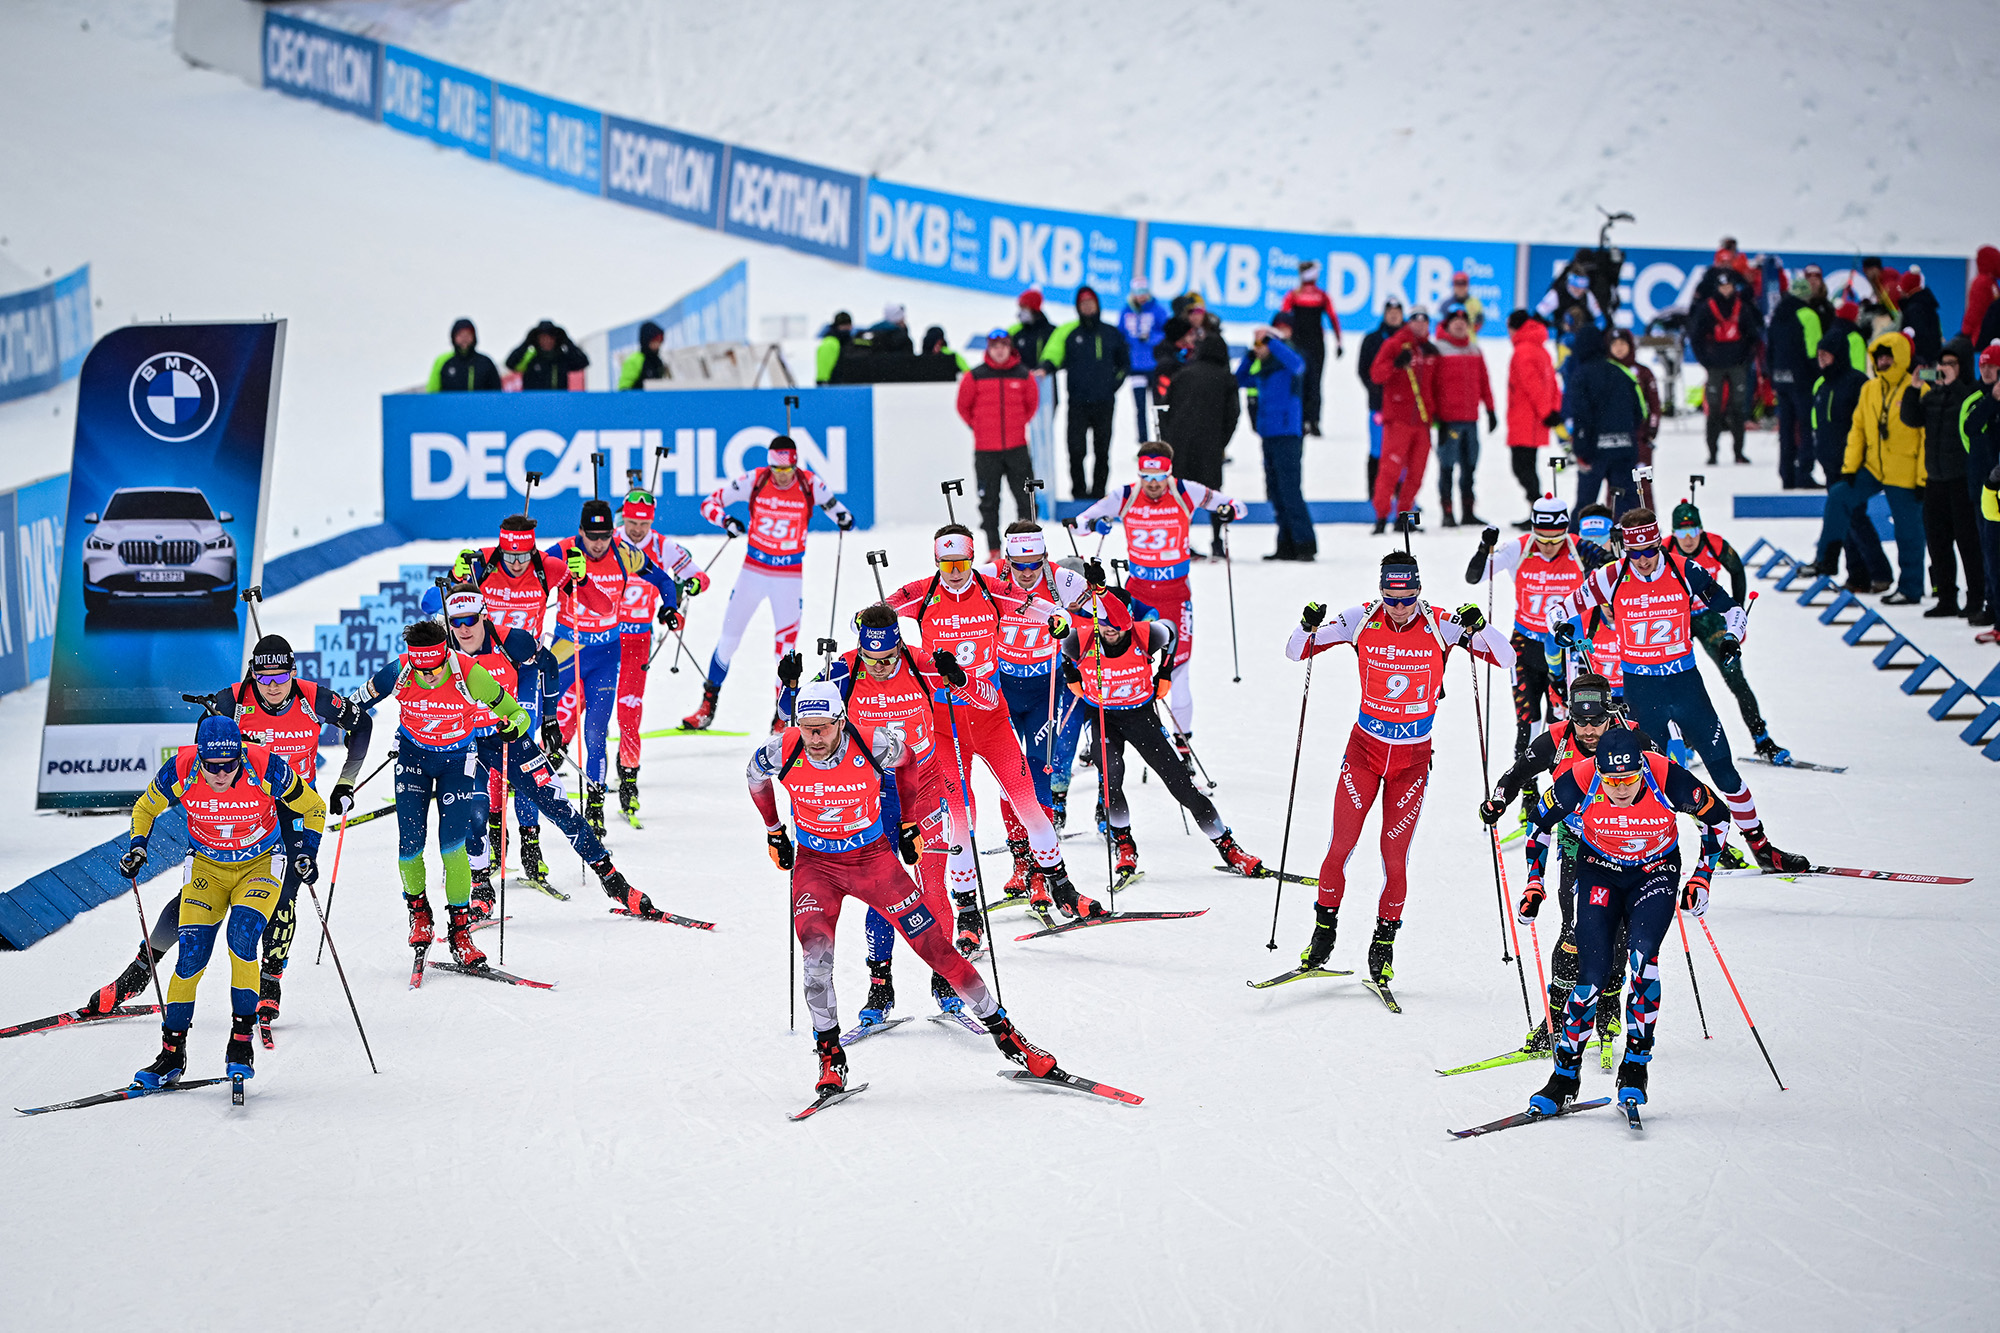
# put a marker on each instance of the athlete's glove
(341, 799)
(579, 565)
(1072, 673)
(1489, 539)
(1694, 893)
(694, 583)
(1492, 422)
(1728, 649)
(790, 667)
(1163, 683)
(1310, 618)
(843, 519)
(518, 722)
(670, 617)
(1490, 811)
(733, 525)
(552, 744)
(906, 844)
(461, 568)
(780, 844)
(134, 860)
(1232, 511)
(948, 667)
(1531, 901)
(1737, 621)
(1470, 619)
(1058, 626)
(306, 866)
(1093, 573)
(1566, 634)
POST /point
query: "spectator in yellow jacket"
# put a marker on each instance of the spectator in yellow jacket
(1885, 454)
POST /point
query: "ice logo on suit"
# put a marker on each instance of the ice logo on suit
(174, 397)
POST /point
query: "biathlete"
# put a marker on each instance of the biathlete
(781, 496)
(642, 607)
(844, 804)
(1718, 558)
(1401, 647)
(1622, 806)
(247, 812)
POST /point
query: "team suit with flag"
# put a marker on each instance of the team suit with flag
(1719, 560)
(1623, 807)
(1156, 512)
(1650, 597)
(781, 496)
(1402, 667)
(643, 606)
(844, 807)
(246, 812)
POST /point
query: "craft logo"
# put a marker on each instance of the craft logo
(173, 397)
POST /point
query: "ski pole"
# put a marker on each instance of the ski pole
(251, 596)
(334, 881)
(1142, 772)
(1103, 744)
(326, 938)
(1229, 572)
(833, 611)
(1534, 937)
(1291, 796)
(972, 840)
(1187, 736)
(951, 488)
(146, 943)
(1691, 981)
(660, 452)
(500, 851)
(1486, 785)
(1541, 979)
(792, 952)
(877, 562)
(1739, 1000)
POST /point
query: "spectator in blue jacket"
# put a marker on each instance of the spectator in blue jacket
(1606, 411)
(1142, 321)
(1275, 371)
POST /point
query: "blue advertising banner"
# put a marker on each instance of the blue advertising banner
(996, 247)
(438, 102)
(1654, 282)
(335, 68)
(718, 311)
(163, 525)
(454, 465)
(44, 334)
(557, 141)
(794, 204)
(664, 170)
(34, 570)
(1244, 275)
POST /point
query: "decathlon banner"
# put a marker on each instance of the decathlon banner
(44, 333)
(994, 247)
(162, 528)
(323, 64)
(438, 102)
(1244, 275)
(557, 141)
(677, 174)
(794, 204)
(454, 465)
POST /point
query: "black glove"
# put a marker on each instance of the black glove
(1311, 618)
(1490, 811)
(948, 667)
(1849, 477)
(780, 844)
(552, 744)
(1488, 539)
(1470, 619)
(906, 844)
(843, 520)
(130, 864)
(1566, 634)
(1403, 358)
(1492, 422)
(790, 667)
(341, 800)
(1093, 573)
(732, 525)
(1553, 419)
(306, 866)
(1072, 673)
(1729, 649)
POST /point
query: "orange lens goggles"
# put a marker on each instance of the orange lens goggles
(954, 566)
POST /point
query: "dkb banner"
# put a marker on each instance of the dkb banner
(996, 247)
(164, 526)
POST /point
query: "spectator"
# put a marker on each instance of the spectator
(1625, 355)
(1842, 527)
(997, 399)
(1392, 319)
(1203, 408)
(1843, 332)
(464, 368)
(1142, 321)
(1884, 284)
(1461, 295)
(546, 358)
(1918, 309)
(1950, 513)
(1098, 361)
(1031, 332)
(1307, 304)
(1405, 367)
(1979, 293)
(1885, 454)
(644, 364)
(891, 336)
(834, 340)
(1725, 329)
(1276, 370)
(935, 345)
(1794, 344)
(1461, 387)
(1980, 434)
(1606, 414)
(1989, 327)
(1569, 301)
(1177, 342)
(1534, 403)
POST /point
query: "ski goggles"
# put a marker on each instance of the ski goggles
(466, 622)
(221, 767)
(1619, 783)
(960, 565)
(638, 504)
(1411, 600)
(274, 678)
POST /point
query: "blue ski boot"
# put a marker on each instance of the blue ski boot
(237, 1059)
(1059, 806)
(881, 993)
(1771, 750)
(947, 998)
(1561, 1088)
(170, 1065)
(1632, 1074)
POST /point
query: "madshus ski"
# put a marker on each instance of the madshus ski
(863, 1031)
(1791, 763)
(959, 1018)
(1527, 1118)
(75, 1017)
(667, 918)
(1310, 881)
(826, 1099)
(1058, 1081)
(125, 1094)
(1850, 872)
(1297, 974)
(1110, 918)
(491, 974)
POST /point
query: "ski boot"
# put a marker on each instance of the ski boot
(423, 927)
(458, 932)
(238, 1060)
(1632, 1075)
(483, 898)
(129, 983)
(1608, 1026)
(1560, 1090)
(1326, 924)
(881, 992)
(1449, 519)
(496, 834)
(170, 1064)
(832, 1062)
(533, 868)
(1059, 807)
(1128, 852)
(947, 999)
(1067, 900)
(619, 890)
(1024, 866)
(1382, 950)
(628, 794)
(1731, 858)
(1537, 1039)
(593, 807)
(1771, 750)
(1012, 1045)
(1770, 858)
(971, 925)
(704, 714)
(270, 993)
(1237, 859)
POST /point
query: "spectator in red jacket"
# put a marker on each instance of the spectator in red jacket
(1534, 403)
(1405, 367)
(1984, 287)
(998, 398)
(1462, 388)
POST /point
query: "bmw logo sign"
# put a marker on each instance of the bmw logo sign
(173, 397)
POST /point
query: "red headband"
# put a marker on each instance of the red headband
(425, 657)
(1638, 536)
(516, 541)
(1155, 465)
(781, 455)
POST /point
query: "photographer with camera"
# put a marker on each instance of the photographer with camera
(1275, 372)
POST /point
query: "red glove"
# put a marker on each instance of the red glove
(1531, 901)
